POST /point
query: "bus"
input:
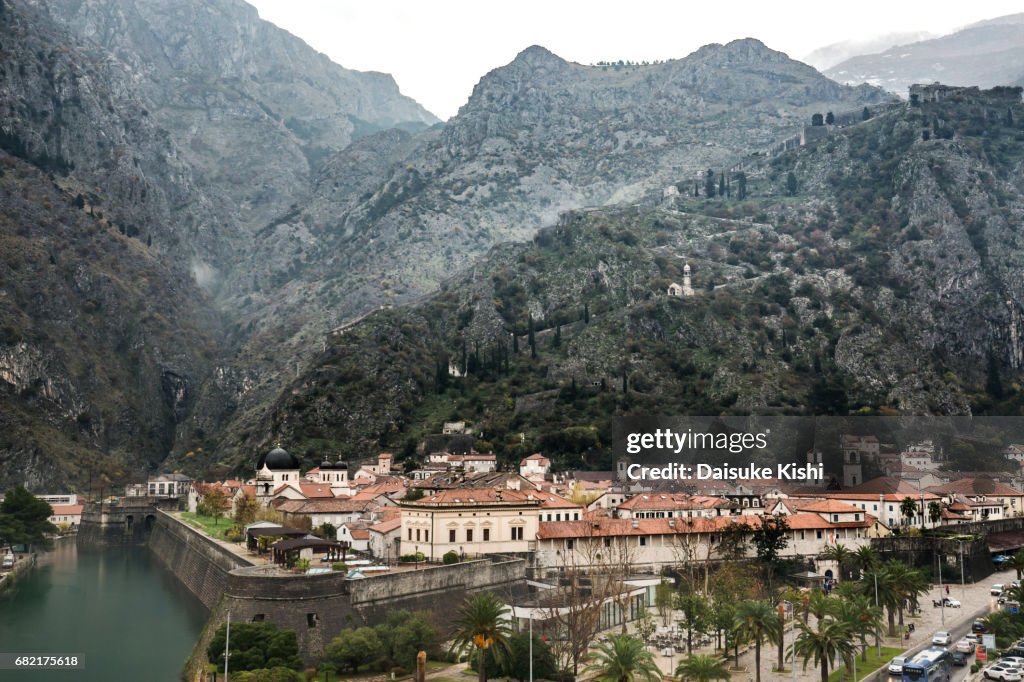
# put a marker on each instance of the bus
(931, 665)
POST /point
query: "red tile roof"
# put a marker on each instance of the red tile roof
(458, 497)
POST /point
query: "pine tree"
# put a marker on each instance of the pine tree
(557, 342)
(586, 314)
(696, 189)
(830, 119)
(741, 186)
(865, 115)
(791, 184)
(721, 184)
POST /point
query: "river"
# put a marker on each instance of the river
(118, 607)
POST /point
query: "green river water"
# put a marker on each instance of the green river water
(118, 608)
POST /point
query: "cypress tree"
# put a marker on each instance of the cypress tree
(721, 184)
(709, 184)
(530, 337)
(557, 342)
(586, 314)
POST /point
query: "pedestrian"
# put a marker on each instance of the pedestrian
(947, 589)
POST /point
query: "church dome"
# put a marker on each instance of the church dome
(278, 459)
(340, 465)
(326, 465)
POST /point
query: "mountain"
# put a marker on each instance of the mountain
(828, 56)
(253, 109)
(120, 223)
(985, 54)
(888, 283)
(537, 137)
(104, 334)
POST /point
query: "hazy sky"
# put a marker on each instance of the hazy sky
(437, 51)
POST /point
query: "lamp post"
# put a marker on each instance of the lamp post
(942, 597)
(963, 588)
(878, 637)
(531, 645)
(227, 652)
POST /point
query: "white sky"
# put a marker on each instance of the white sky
(437, 51)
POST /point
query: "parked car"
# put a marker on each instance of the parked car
(1002, 672)
(942, 638)
(950, 603)
(8, 561)
(1000, 558)
(996, 589)
(1012, 661)
(896, 665)
(959, 658)
(978, 626)
(964, 646)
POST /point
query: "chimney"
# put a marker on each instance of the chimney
(671, 523)
(636, 523)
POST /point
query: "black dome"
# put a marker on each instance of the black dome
(278, 459)
(326, 465)
(340, 465)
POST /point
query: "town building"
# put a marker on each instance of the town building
(536, 467)
(470, 522)
(168, 485)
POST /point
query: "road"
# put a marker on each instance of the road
(974, 598)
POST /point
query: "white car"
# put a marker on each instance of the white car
(964, 646)
(996, 589)
(896, 665)
(950, 603)
(1013, 662)
(942, 638)
(1002, 672)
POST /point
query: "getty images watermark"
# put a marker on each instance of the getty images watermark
(808, 451)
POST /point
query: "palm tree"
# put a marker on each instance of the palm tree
(908, 507)
(864, 619)
(934, 511)
(907, 584)
(878, 582)
(623, 658)
(759, 621)
(700, 668)
(1002, 624)
(1016, 562)
(839, 554)
(866, 558)
(481, 624)
(832, 639)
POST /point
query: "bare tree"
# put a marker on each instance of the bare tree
(595, 566)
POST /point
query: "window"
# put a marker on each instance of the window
(487, 534)
(469, 535)
(311, 620)
(451, 535)
(643, 540)
(835, 518)
(410, 534)
(874, 507)
(819, 534)
(417, 535)
(569, 544)
(517, 532)
(426, 536)
(607, 542)
(558, 517)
